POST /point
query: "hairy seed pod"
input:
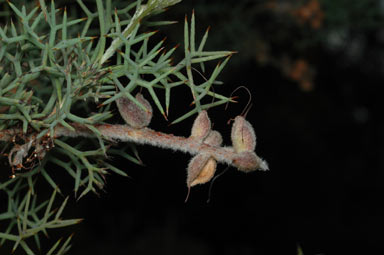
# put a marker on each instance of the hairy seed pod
(201, 169)
(248, 161)
(242, 135)
(133, 114)
(214, 138)
(201, 126)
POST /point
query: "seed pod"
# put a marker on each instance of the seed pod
(133, 114)
(18, 154)
(248, 161)
(201, 169)
(214, 138)
(201, 126)
(242, 135)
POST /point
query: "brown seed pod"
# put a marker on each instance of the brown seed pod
(201, 126)
(201, 169)
(133, 114)
(214, 138)
(248, 161)
(206, 173)
(242, 135)
(17, 155)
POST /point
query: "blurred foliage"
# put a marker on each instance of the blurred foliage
(290, 35)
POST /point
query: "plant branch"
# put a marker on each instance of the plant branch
(147, 136)
(141, 12)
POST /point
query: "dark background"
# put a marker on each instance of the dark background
(322, 135)
(324, 145)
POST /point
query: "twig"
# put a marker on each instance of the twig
(148, 136)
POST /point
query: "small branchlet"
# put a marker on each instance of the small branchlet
(208, 149)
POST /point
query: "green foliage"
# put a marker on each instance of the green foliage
(58, 68)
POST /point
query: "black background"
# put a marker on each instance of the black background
(324, 148)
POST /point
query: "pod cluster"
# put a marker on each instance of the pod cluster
(202, 166)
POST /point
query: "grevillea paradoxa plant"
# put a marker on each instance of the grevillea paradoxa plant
(62, 79)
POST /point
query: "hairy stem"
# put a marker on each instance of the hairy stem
(143, 136)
